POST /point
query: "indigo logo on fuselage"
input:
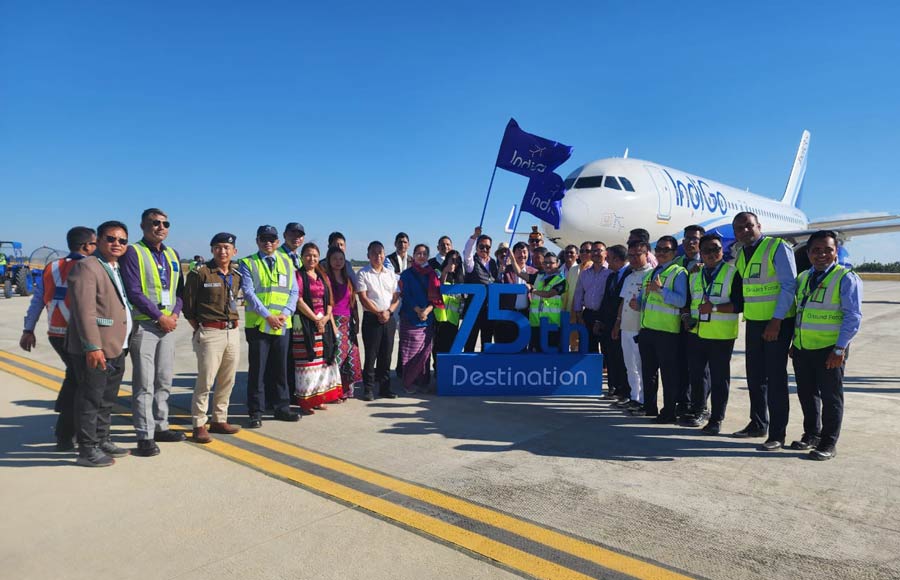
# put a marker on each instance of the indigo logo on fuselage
(694, 195)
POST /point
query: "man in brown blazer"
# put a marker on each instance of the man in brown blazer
(97, 337)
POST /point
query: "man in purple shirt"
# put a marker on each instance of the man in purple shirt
(153, 284)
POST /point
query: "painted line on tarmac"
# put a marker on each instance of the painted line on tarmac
(514, 543)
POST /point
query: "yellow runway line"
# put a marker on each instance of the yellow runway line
(507, 555)
(603, 557)
(33, 364)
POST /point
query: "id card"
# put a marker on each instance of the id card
(705, 317)
(166, 298)
(282, 280)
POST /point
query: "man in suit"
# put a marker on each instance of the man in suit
(97, 338)
(605, 321)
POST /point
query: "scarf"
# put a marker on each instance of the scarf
(432, 284)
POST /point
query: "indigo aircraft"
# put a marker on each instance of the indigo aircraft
(605, 199)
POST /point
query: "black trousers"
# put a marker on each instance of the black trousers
(483, 326)
(271, 378)
(767, 377)
(821, 394)
(378, 342)
(659, 356)
(616, 372)
(94, 398)
(710, 372)
(65, 401)
(683, 398)
(267, 373)
(595, 339)
(445, 334)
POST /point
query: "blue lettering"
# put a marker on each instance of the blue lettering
(723, 203)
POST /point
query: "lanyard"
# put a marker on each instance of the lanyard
(712, 280)
(230, 303)
(808, 291)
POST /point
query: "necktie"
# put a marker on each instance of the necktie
(815, 279)
(295, 260)
(270, 261)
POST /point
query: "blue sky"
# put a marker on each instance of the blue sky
(372, 118)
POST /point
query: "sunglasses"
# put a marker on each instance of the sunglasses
(584, 251)
(114, 239)
(484, 247)
(712, 250)
(268, 239)
(157, 223)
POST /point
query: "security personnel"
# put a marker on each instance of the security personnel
(82, 241)
(829, 303)
(153, 282)
(691, 261)
(547, 295)
(210, 306)
(769, 275)
(294, 234)
(270, 297)
(716, 301)
(663, 294)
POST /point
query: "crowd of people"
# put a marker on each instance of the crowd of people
(655, 313)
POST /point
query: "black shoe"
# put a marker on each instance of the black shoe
(93, 457)
(146, 448)
(638, 412)
(112, 449)
(289, 416)
(368, 395)
(749, 431)
(689, 420)
(255, 422)
(806, 442)
(664, 420)
(823, 453)
(65, 444)
(169, 436)
(622, 403)
(387, 394)
(608, 396)
(712, 428)
(771, 445)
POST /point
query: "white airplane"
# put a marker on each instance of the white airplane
(605, 199)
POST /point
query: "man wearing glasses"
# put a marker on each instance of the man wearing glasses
(153, 284)
(82, 242)
(270, 297)
(691, 262)
(481, 268)
(716, 301)
(662, 296)
(97, 338)
(767, 267)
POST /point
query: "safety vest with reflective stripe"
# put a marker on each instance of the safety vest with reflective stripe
(761, 285)
(55, 276)
(269, 290)
(450, 311)
(820, 316)
(151, 283)
(655, 313)
(548, 308)
(721, 325)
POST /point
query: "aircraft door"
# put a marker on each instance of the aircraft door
(664, 190)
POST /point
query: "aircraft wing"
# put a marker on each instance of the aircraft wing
(844, 233)
(831, 224)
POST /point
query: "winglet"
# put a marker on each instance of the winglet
(795, 181)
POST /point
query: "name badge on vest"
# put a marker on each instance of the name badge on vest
(212, 284)
(705, 317)
(282, 280)
(166, 299)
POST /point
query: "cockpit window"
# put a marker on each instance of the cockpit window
(626, 184)
(592, 181)
(612, 182)
(570, 182)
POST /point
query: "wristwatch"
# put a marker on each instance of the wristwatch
(839, 350)
(715, 308)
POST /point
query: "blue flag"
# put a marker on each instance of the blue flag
(543, 197)
(528, 154)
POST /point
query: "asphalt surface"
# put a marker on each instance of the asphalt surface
(568, 481)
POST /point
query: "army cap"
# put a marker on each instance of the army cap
(223, 238)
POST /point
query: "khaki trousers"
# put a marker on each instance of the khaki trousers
(218, 353)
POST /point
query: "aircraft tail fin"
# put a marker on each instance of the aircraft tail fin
(798, 171)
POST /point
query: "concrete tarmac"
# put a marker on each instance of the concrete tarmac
(710, 507)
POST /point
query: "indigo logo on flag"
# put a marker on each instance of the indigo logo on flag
(528, 154)
(505, 369)
(543, 197)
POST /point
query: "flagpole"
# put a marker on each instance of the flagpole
(515, 227)
(488, 196)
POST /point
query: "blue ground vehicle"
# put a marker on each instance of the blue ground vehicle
(16, 275)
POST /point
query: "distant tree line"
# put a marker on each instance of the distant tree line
(878, 267)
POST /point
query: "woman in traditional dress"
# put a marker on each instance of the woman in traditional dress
(347, 319)
(420, 293)
(314, 337)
